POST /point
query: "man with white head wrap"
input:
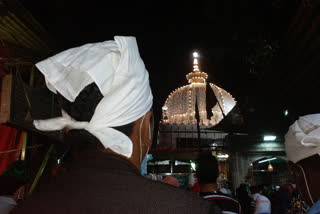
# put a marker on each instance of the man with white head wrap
(107, 180)
(302, 144)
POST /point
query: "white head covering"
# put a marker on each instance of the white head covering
(303, 138)
(120, 74)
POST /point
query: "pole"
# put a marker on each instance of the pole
(197, 116)
(41, 169)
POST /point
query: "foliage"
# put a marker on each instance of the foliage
(260, 53)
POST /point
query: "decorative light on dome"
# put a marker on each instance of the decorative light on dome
(195, 61)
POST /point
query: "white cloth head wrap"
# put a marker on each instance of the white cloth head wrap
(303, 138)
(120, 74)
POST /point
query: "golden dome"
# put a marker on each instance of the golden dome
(180, 104)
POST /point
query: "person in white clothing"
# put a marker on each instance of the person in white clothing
(263, 205)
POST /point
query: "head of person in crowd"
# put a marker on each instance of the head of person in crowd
(257, 189)
(254, 190)
(242, 190)
(243, 187)
(171, 180)
(12, 182)
(9, 186)
(105, 98)
(286, 188)
(207, 172)
(15, 176)
(302, 143)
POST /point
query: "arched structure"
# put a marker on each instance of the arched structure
(248, 149)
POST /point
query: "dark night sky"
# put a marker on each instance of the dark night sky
(167, 33)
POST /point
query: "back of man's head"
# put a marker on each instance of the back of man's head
(254, 189)
(171, 180)
(302, 143)
(207, 168)
(104, 90)
(82, 109)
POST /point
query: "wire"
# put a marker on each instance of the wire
(14, 150)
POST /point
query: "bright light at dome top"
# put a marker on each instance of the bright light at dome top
(195, 54)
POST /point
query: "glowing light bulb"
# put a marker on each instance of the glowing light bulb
(270, 168)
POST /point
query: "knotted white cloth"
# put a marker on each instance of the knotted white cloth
(303, 138)
(120, 74)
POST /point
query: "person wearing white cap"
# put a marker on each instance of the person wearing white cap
(302, 144)
(105, 95)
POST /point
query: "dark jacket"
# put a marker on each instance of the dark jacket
(103, 183)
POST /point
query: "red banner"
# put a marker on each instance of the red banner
(10, 139)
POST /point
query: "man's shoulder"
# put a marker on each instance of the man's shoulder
(262, 199)
(218, 195)
(225, 202)
(140, 194)
(163, 190)
(168, 197)
(259, 197)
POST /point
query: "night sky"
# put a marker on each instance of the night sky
(168, 33)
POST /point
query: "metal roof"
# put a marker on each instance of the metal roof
(21, 33)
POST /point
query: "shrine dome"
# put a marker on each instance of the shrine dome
(213, 102)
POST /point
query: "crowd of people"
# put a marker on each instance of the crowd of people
(283, 199)
(247, 199)
(106, 115)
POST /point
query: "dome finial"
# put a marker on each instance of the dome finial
(196, 76)
(195, 62)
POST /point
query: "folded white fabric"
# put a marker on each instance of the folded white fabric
(303, 138)
(120, 74)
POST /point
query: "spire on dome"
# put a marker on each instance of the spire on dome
(196, 76)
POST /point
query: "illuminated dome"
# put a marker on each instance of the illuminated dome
(180, 106)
